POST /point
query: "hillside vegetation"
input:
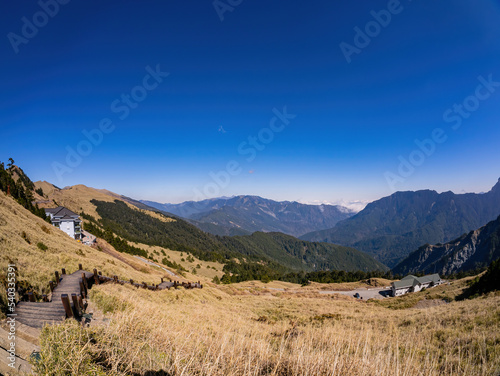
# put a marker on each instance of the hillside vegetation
(24, 237)
(489, 281)
(471, 251)
(259, 256)
(394, 226)
(241, 329)
(13, 181)
(253, 332)
(302, 255)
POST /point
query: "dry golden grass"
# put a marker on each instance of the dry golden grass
(245, 329)
(206, 272)
(210, 332)
(36, 266)
(271, 285)
(77, 198)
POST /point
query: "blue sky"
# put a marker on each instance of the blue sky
(361, 84)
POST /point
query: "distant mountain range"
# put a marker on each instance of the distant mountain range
(387, 229)
(392, 227)
(273, 250)
(477, 249)
(247, 214)
(121, 220)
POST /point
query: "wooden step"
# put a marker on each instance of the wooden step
(35, 312)
(39, 324)
(29, 317)
(67, 288)
(38, 306)
(22, 366)
(47, 307)
(25, 332)
(30, 311)
(34, 304)
(23, 347)
(41, 313)
(56, 296)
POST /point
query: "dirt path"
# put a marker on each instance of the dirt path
(172, 274)
(106, 248)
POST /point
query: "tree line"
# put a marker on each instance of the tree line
(20, 190)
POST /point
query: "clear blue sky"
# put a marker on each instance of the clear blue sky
(360, 100)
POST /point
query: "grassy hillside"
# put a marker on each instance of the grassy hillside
(193, 268)
(253, 331)
(243, 329)
(123, 218)
(24, 237)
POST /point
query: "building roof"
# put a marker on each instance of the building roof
(430, 278)
(411, 280)
(60, 211)
(407, 281)
(67, 218)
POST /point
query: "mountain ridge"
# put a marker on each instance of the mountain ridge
(471, 251)
(393, 226)
(134, 221)
(253, 213)
(272, 249)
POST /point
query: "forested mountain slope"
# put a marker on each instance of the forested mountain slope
(392, 227)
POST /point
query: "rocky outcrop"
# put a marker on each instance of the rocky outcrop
(476, 249)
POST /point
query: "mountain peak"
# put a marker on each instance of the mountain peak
(394, 226)
(496, 187)
(254, 213)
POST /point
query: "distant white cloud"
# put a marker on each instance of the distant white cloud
(351, 206)
(354, 206)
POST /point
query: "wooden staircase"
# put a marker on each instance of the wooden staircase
(66, 300)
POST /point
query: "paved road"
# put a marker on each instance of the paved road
(372, 293)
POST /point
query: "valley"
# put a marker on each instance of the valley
(236, 324)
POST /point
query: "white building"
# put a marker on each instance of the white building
(66, 220)
(410, 283)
